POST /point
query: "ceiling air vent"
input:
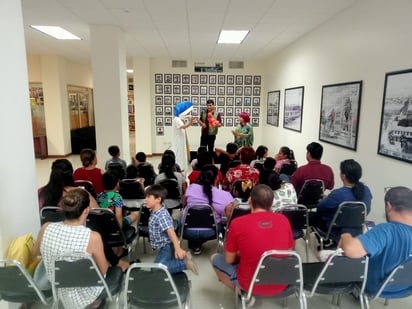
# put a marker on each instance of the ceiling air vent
(179, 64)
(236, 65)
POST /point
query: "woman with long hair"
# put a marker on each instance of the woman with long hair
(205, 191)
(89, 171)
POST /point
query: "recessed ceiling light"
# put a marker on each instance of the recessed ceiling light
(232, 36)
(56, 32)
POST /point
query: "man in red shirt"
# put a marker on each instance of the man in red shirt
(249, 236)
(314, 169)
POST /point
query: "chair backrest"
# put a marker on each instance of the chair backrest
(233, 163)
(144, 215)
(147, 172)
(17, 285)
(87, 185)
(51, 214)
(349, 215)
(297, 215)
(311, 192)
(199, 216)
(152, 285)
(67, 269)
(172, 187)
(104, 222)
(131, 189)
(401, 275)
(342, 269)
(259, 165)
(237, 212)
(118, 169)
(241, 189)
(278, 267)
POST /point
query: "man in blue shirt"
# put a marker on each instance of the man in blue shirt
(387, 245)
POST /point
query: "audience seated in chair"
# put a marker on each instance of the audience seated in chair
(268, 176)
(261, 155)
(203, 159)
(115, 162)
(71, 234)
(243, 171)
(224, 157)
(314, 169)
(176, 167)
(89, 171)
(206, 191)
(387, 245)
(145, 169)
(60, 182)
(352, 190)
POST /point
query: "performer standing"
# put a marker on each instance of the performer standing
(210, 121)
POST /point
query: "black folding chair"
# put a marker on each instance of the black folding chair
(277, 267)
(299, 221)
(338, 275)
(311, 193)
(132, 193)
(150, 285)
(143, 224)
(118, 169)
(174, 194)
(87, 185)
(51, 214)
(400, 276)
(18, 286)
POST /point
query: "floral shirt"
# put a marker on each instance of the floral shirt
(286, 194)
(242, 171)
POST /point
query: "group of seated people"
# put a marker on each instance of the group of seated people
(210, 185)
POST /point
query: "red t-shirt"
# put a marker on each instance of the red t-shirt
(313, 170)
(195, 174)
(253, 234)
(93, 175)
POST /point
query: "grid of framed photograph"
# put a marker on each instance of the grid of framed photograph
(232, 94)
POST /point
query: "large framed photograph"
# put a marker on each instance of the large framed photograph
(293, 107)
(273, 108)
(395, 137)
(339, 114)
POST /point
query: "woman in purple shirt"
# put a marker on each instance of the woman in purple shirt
(205, 191)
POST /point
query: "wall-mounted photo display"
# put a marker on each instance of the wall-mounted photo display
(212, 79)
(256, 91)
(221, 110)
(339, 114)
(167, 89)
(255, 122)
(159, 110)
(221, 90)
(195, 100)
(239, 79)
(230, 79)
(212, 90)
(177, 99)
(257, 79)
(247, 91)
(255, 112)
(203, 90)
(229, 122)
(185, 98)
(158, 78)
(185, 89)
(168, 110)
(185, 79)
(176, 89)
(273, 108)
(160, 131)
(238, 110)
(158, 100)
(230, 90)
(220, 101)
(203, 79)
(248, 79)
(203, 101)
(195, 111)
(239, 90)
(229, 111)
(194, 79)
(168, 78)
(238, 101)
(176, 78)
(167, 100)
(256, 101)
(168, 121)
(247, 110)
(230, 101)
(159, 89)
(247, 101)
(395, 136)
(195, 90)
(221, 79)
(293, 107)
(159, 121)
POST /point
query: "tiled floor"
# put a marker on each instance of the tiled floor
(207, 292)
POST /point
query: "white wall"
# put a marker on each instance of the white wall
(362, 43)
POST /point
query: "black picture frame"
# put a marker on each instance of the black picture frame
(203, 79)
(257, 79)
(176, 78)
(185, 79)
(221, 79)
(168, 78)
(194, 79)
(248, 79)
(230, 79)
(395, 135)
(272, 109)
(293, 107)
(339, 114)
(212, 79)
(239, 79)
(158, 78)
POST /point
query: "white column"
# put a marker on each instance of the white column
(19, 207)
(143, 104)
(110, 90)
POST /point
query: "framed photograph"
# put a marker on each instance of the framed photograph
(238, 101)
(203, 90)
(257, 79)
(255, 112)
(159, 110)
(273, 108)
(248, 79)
(167, 89)
(212, 79)
(168, 121)
(221, 90)
(158, 89)
(395, 137)
(185, 79)
(247, 110)
(158, 100)
(176, 89)
(229, 122)
(292, 113)
(194, 79)
(239, 79)
(220, 101)
(256, 101)
(221, 79)
(248, 91)
(247, 101)
(159, 121)
(221, 110)
(195, 100)
(168, 78)
(195, 90)
(256, 91)
(255, 122)
(176, 99)
(158, 78)
(160, 131)
(230, 101)
(230, 79)
(229, 111)
(230, 90)
(238, 110)
(168, 110)
(185, 89)
(195, 111)
(203, 79)
(176, 78)
(185, 98)
(212, 90)
(167, 100)
(339, 114)
(203, 101)
(239, 90)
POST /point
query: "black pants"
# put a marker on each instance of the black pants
(209, 142)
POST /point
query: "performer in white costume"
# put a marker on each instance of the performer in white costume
(181, 121)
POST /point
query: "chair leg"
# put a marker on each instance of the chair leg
(386, 302)
(144, 245)
(284, 302)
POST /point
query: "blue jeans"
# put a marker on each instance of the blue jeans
(196, 238)
(166, 256)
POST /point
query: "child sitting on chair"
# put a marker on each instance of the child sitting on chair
(163, 236)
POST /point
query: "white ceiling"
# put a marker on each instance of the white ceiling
(178, 29)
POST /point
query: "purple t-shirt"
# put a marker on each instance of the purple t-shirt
(194, 194)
